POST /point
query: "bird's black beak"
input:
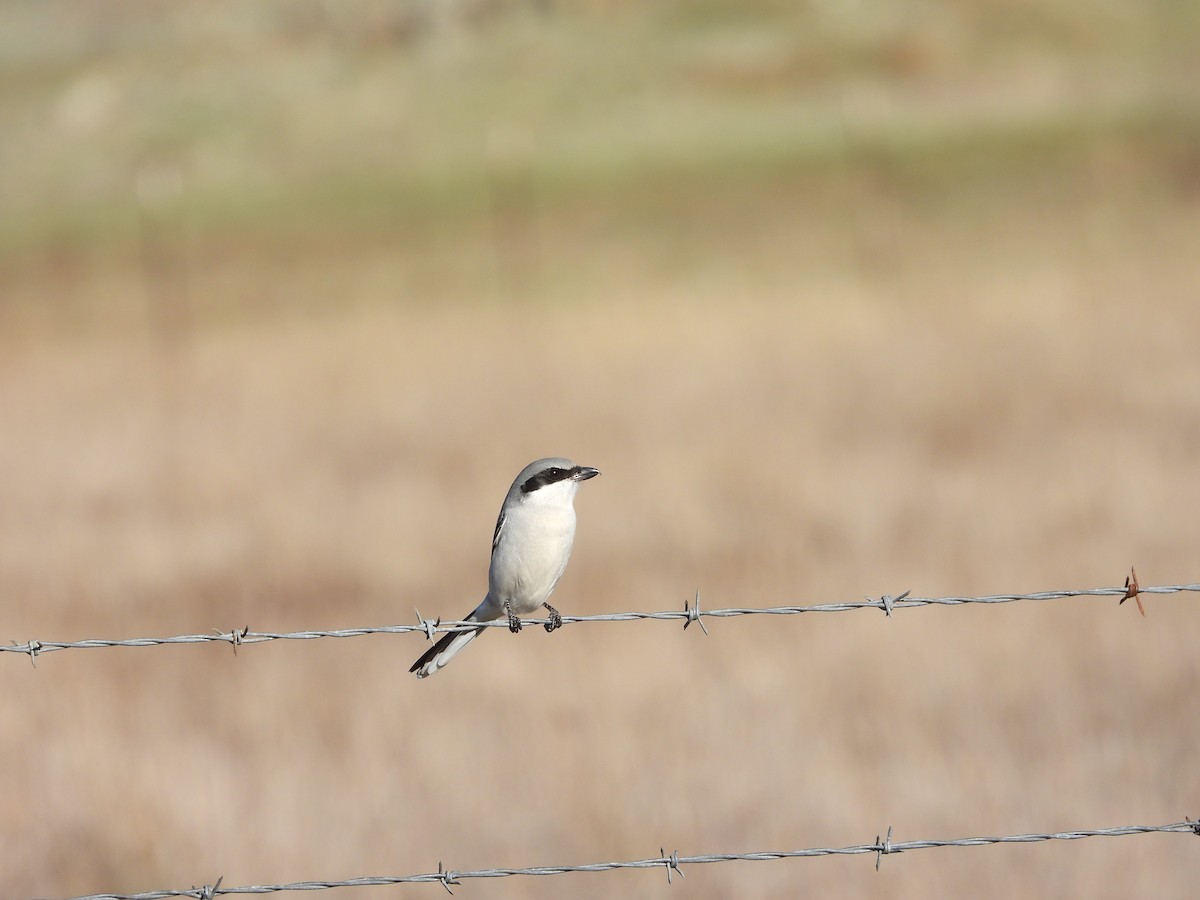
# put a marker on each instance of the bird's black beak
(583, 473)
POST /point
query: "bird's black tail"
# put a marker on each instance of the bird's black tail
(443, 651)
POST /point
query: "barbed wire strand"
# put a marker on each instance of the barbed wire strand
(691, 612)
(671, 862)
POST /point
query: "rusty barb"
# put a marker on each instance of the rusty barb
(1132, 591)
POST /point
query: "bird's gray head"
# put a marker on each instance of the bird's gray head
(554, 474)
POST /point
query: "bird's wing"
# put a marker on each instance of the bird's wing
(499, 528)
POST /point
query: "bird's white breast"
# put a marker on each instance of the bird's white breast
(533, 548)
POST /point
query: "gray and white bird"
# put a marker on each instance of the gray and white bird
(530, 549)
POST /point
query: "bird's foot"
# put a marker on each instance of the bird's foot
(514, 624)
(555, 618)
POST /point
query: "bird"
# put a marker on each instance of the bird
(530, 548)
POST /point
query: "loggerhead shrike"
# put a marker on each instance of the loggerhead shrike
(530, 549)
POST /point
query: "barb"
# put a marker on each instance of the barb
(884, 848)
(693, 615)
(690, 613)
(671, 862)
(1133, 590)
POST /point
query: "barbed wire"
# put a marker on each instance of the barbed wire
(673, 863)
(691, 612)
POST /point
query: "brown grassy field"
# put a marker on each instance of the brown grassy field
(274, 378)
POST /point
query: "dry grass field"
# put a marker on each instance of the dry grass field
(841, 305)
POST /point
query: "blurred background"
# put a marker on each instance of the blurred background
(843, 298)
